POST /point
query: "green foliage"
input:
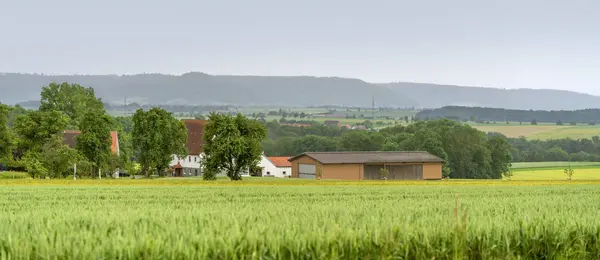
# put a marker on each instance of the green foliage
(501, 156)
(94, 142)
(556, 154)
(6, 138)
(569, 172)
(35, 128)
(72, 99)
(233, 144)
(157, 135)
(14, 175)
(34, 165)
(361, 141)
(57, 158)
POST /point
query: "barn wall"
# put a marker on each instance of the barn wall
(342, 171)
(432, 171)
(302, 160)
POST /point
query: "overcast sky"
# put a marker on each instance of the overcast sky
(504, 43)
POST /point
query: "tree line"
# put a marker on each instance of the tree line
(468, 152)
(35, 140)
(483, 114)
(566, 149)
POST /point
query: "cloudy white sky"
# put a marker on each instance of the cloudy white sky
(504, 43)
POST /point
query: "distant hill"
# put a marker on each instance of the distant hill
(203, 89)
(436, 96)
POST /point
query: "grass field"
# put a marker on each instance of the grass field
(534, 165)
(542, 131)
(298, 219)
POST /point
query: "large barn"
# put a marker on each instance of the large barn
(367, 165)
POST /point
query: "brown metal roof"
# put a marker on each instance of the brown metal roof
(370, 157)
(195, 129)
(70, 139)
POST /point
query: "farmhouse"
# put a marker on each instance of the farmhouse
(275, 166)
(367, 165)
(190, 164)
(70, 139)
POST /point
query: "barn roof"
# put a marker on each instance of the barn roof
(70, 139)
(195, 129)
(280, 161)
(370, 157)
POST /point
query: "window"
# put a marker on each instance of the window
(268, 173)
(283, 172)
(195, 159)
(189, 159)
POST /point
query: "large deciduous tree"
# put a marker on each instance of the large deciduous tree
(72, 99)
(35, 128)
(94, 142)
(233, 144)
(6, 140)
(500, 152)
(157, 136)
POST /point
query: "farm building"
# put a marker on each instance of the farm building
(70, 140)
(275, 166)
(190, 164)
(367, 165)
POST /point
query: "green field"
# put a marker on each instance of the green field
(263, 218)
(541, 131)
(555, 170)
(523, 165)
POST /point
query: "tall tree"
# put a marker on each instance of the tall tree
(157, 136)
(94, 142)
(6, 139)
(233, 144)
(72, 99)
(501, 155)
(35, 128)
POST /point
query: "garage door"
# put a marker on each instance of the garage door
(307, 171)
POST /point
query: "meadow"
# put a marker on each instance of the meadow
(541, 131)
(261, 218)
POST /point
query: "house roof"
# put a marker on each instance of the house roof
(70, 139)
(370, 157)
(280, 161)
(195, 129)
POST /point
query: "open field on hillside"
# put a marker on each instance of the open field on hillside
(298, 219)
(542, 132)
(534, 165)
(557, 173)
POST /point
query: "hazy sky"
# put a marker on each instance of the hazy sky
(504, 43)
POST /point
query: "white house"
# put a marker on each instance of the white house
(191, 165)
(276, 166)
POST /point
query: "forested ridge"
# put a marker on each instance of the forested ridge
(197, 88)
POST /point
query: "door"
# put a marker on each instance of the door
(307, 171)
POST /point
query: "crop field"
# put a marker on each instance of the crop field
(542, 131)
(298, 219)
(534, 165)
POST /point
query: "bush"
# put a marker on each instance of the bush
(14, 175)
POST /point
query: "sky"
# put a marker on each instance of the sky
(551, 44)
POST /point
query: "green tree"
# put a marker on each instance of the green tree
(57, 158)
(35, 128)
(94, 142)
(233, 144)
(361, 141)
(556, 154)
(157, 135)
(501, 156)
(72, 99)
(6, 138)
(313, 143)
